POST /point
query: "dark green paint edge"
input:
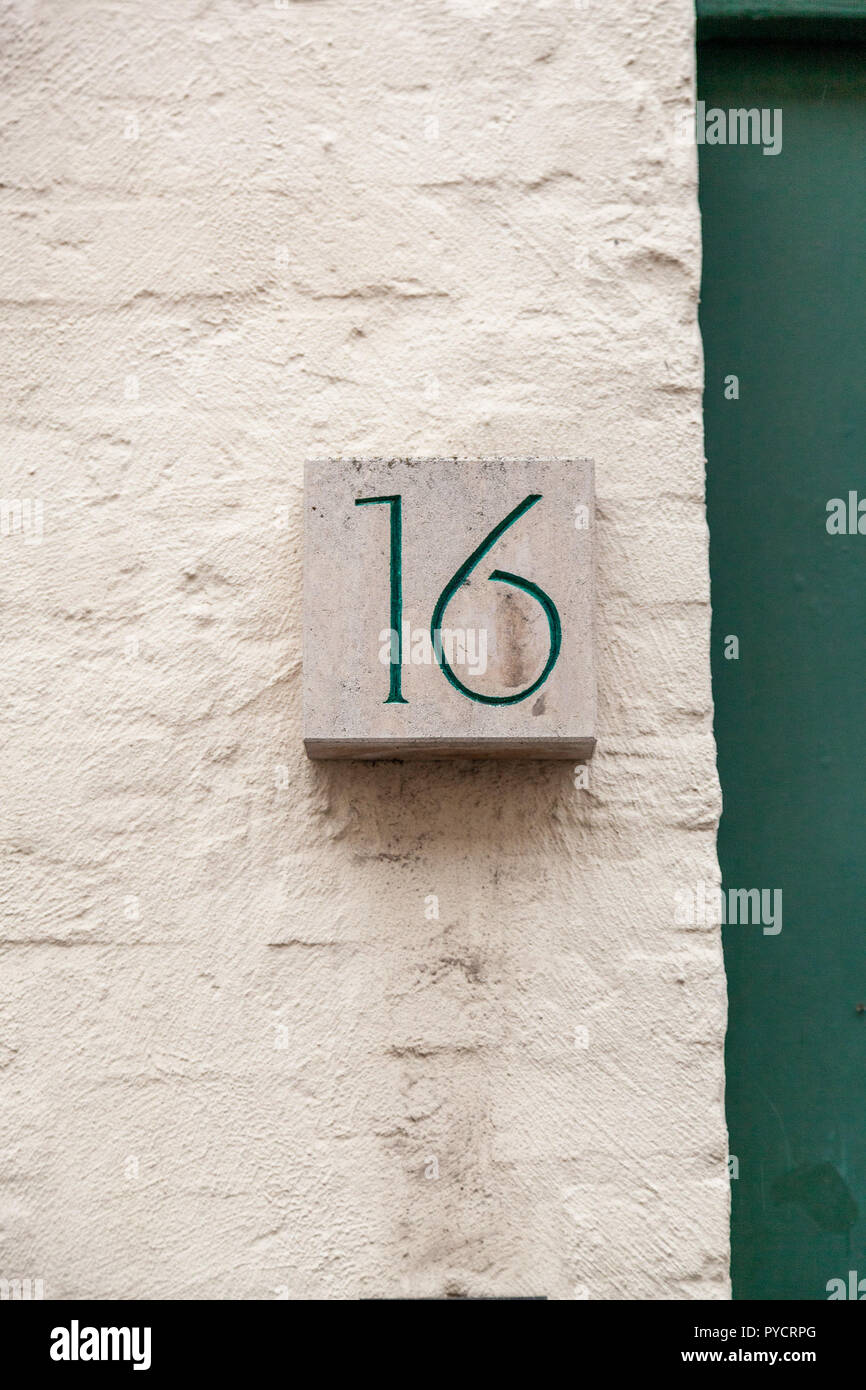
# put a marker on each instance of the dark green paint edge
(797, 21)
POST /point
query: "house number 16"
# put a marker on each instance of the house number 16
(395, 691)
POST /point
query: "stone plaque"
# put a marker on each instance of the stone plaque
(449, 608)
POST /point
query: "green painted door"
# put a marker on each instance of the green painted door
(784, 310)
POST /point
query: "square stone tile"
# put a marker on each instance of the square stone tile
(449, 608)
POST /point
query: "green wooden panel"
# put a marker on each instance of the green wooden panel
(807, 20)
(786, 9)
(784, 308)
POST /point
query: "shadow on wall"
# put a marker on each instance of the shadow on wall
(441, 894)
(467, 841)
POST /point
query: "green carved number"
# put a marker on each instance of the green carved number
(502, 577)
(395, 690)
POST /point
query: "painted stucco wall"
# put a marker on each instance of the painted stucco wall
(240, 1055)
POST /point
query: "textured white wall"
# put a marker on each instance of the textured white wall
(451, 226)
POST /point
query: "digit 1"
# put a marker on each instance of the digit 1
(395, 692)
